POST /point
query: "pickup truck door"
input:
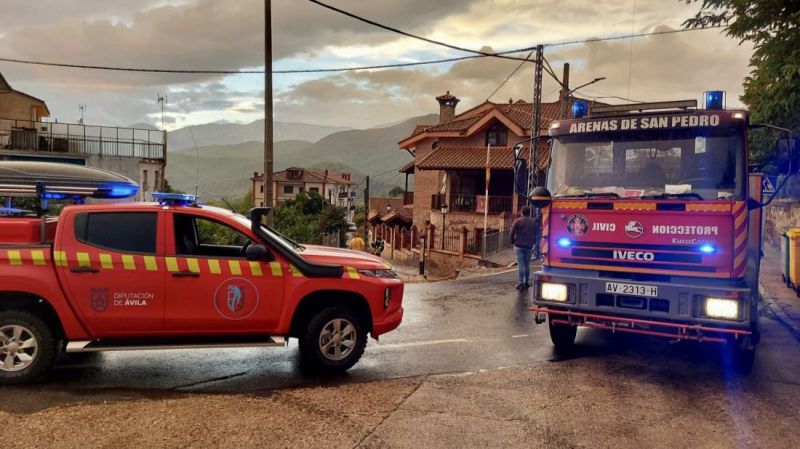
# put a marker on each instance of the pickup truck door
(111, 264)
(211, 287)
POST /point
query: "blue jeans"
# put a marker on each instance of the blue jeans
(523, 263)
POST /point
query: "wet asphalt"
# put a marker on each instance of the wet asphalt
(471, 325)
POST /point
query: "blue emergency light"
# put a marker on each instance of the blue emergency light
(715, 99)
(707, 248)
(580, 108)
(564, 242)
(12, 211)
(175, 199)
(116, 190)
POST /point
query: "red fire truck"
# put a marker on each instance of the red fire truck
(651, 224)
(171, 274)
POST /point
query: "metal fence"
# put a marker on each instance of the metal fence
(81, 139)
(332, 239)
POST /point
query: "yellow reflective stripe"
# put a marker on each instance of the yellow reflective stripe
(255, 268)
(38, 257)
(106, 262)
(276, 268)
(150, 263)
(295, 272)
(234, 266)
(194, 265)
(61, 258)
(353, 273)
(14, 257)
(83, 259)
(172, 264)
(128, 262)
(213, 266)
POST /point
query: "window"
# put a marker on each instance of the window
(261, 188)
(198, 236)
(288, 189)
(314, 189)
(157, 181)
(144, 180)
(131, 232)
(497, 135)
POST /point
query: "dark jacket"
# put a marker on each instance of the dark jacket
(523, 232)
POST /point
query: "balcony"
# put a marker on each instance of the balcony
(71, 138)
(437, 199)
(477, 203)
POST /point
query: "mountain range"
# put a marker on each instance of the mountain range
(226, 166)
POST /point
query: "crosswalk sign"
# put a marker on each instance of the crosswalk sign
(768, 184)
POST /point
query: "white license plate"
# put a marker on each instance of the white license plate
(618, 288)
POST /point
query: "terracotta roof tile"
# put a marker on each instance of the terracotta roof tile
(474, 158)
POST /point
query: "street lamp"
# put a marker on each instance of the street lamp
(444, 215)
(388, 208)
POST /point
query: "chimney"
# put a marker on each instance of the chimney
(346, 176)
(326, 175)
(447, 107)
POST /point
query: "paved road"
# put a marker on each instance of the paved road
(450, 327)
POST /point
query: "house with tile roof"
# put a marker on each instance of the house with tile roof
(450, 163)
(339, 190)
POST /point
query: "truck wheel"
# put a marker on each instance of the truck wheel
(27, 347)
(333, 341)
(563, 336)
(742, 354)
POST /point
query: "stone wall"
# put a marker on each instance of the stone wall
(778, 216)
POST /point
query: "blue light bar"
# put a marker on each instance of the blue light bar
(175, 199)
(12, 211)
(564, 242)
(116, 190)
(580, 108)
(715, 99)
(707, 248)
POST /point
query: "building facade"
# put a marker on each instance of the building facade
(450, 164)
(27, 134)
(339, 190)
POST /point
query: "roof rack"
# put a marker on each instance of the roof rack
(616, 109)
(55, 181)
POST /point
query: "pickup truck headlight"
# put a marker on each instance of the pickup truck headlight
(723, 308)
(383, 274)
(554, 292)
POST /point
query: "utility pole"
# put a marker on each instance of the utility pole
(366, 211)
(536, 119)
(565, 92)
(268, 162)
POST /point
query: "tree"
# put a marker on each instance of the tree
(307, 217)
(772, 91)
(396, 191)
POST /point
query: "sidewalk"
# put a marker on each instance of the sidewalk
(777, 297)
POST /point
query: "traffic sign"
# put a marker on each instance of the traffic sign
(768, 184)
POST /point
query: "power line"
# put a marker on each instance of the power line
(337, 69)
(510, 75)
(413, 36)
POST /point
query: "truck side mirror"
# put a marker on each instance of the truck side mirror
(259, 252)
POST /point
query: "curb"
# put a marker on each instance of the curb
(776, 310)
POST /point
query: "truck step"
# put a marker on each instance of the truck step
(172, 343)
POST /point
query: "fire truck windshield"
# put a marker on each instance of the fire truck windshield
(687, 164)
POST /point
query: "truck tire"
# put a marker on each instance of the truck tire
(333, 341)
(563, 336)
(741, 354)
(27, 347)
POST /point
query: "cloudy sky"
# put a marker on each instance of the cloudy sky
(229, 35)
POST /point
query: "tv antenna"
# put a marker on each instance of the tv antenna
(82, 108)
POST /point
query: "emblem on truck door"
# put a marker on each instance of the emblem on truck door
(236, 299)
(578, 225)
(634, 229)
(99, 299)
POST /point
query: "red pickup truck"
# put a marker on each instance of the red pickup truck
(170, 275)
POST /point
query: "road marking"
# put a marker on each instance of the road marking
(424, 343)
(519, 336)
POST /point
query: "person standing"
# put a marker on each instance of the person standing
(523, 236)
(356, 243)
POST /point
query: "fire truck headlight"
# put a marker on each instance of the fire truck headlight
(554, 292)
(726, 309)
(564, 242)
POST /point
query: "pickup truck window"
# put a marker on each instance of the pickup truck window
(197, 236)
(128, 232)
